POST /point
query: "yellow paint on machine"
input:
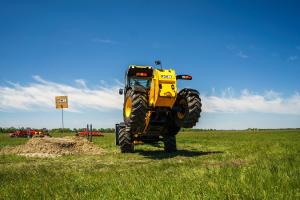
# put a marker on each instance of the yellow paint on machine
(163, 88)
(61, 102)
(147, 120)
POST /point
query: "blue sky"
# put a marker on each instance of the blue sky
(244, 57)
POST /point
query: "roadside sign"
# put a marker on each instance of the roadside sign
(61, 102)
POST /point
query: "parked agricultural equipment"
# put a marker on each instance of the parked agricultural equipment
(85, 133)
(29, 133)
(153, 109)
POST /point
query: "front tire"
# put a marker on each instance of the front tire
(135, 110)
(125, 141)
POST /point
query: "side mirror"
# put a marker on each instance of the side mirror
(184, 77)
(157, 62)
(121, 91)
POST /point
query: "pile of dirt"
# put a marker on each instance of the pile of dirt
(53, 147)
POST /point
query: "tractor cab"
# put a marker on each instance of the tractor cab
(139, 75)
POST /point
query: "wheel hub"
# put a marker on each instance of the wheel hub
(128, 106)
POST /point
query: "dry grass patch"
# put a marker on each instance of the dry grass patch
(54, 147)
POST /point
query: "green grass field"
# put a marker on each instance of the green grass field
(208, 165)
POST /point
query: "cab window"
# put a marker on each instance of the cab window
(140, 82)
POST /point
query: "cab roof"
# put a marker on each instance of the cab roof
(140, 66)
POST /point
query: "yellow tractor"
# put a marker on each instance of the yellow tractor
(153, 108)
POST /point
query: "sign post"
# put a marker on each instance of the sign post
(62, 119)
(61, 102)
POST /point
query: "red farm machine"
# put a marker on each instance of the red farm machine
(93, 133)
(29, 133)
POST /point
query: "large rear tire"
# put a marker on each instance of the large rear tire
(189, 104)
(125, 141)
(135, 110)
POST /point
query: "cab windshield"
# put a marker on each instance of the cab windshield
(140, 82)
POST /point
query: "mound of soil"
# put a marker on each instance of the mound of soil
(53, 147)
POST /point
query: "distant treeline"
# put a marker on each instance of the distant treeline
(76, 130)
(57, 130)
(271, 129)
(8, 130)
(195, 129)
(249, 129)
(112, 130)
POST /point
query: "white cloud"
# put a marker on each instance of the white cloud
(231, 47)
(81, 83)
(293, 58)
(269, 102)
(237, 51)
(40, 96)
(104, 41)
(242, 55)
(271, 94)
